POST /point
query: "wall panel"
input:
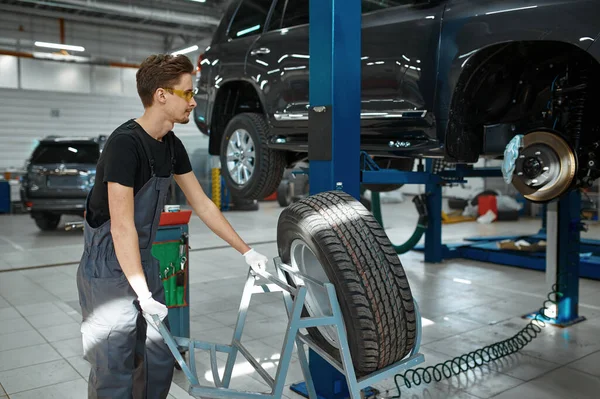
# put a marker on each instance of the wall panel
(28, 115)
(54, 76)
(9, 72)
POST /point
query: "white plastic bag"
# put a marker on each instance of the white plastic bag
(488, 218)
(506, 203)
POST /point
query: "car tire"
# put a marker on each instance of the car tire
(47, 221)
(402, 164)
(284, 193)
(252, 130)
(333, 237)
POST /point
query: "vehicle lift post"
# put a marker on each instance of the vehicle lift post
(563, 227)
(334, 87)
(334, 133)
(334, 130)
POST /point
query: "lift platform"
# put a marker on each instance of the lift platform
(489, 249)
(294, 298)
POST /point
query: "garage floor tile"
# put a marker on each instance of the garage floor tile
(558, 384)
(20, 340)
(589, 364)
(40, 375)
(75, 389)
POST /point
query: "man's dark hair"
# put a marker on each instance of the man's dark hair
(160, 70)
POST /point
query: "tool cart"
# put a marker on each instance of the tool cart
(171, 248)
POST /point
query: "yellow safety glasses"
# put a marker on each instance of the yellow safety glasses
(187, 95)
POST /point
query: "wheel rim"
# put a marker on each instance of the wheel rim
(240, 157)
(305, 261)
(545, 168)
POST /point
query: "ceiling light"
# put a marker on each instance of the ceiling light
(185, 50)
(59, 46)
(60, 57)
(198, 1)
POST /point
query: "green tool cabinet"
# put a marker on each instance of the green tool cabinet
(171, 248)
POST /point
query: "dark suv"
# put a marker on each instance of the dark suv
(451, 79)
(59, 175)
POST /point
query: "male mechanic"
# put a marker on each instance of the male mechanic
(118, 279)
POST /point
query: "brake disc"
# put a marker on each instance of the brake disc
(545, 168)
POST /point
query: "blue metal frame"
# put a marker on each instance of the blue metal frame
(566, 258)
(334, 87)
(486, 249)
(293, 335)
(334, 145)
(372, 174)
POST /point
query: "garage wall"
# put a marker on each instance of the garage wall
(28, 115)
(40, 98)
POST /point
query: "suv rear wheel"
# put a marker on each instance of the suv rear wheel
(46, 221)
(250, 168)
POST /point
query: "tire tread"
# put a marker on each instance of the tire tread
(370, 276)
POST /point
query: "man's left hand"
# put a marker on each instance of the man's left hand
(256, 260)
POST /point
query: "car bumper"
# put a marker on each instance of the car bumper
(70, 205)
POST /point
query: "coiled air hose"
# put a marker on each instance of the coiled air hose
(414, 239)
(479, 357)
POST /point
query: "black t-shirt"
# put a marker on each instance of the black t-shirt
(124, 161)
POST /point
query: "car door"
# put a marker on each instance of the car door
(399, 57)
(227, 57)
(399, 45)
(278, 61)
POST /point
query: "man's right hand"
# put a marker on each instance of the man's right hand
(151, 307)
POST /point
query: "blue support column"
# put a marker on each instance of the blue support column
(434, 250)
(334, 86)
(569, 229)
(334, 129)
(562, 260)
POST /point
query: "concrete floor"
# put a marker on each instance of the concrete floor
(465, 305)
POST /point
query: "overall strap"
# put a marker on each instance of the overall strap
(171, 145)
(147, 150)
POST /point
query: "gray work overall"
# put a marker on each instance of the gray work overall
(129, 358)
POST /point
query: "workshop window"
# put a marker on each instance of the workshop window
(289, 13)
(249, 19)
(51, 153)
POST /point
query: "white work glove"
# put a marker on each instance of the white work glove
(255, 260)
(151, 307)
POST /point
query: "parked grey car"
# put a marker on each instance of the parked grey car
(59, 175)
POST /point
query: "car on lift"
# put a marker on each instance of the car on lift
(60, 173)
(455, 80)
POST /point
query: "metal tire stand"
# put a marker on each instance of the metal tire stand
(293, 335)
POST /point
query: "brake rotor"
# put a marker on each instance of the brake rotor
(545, 168)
